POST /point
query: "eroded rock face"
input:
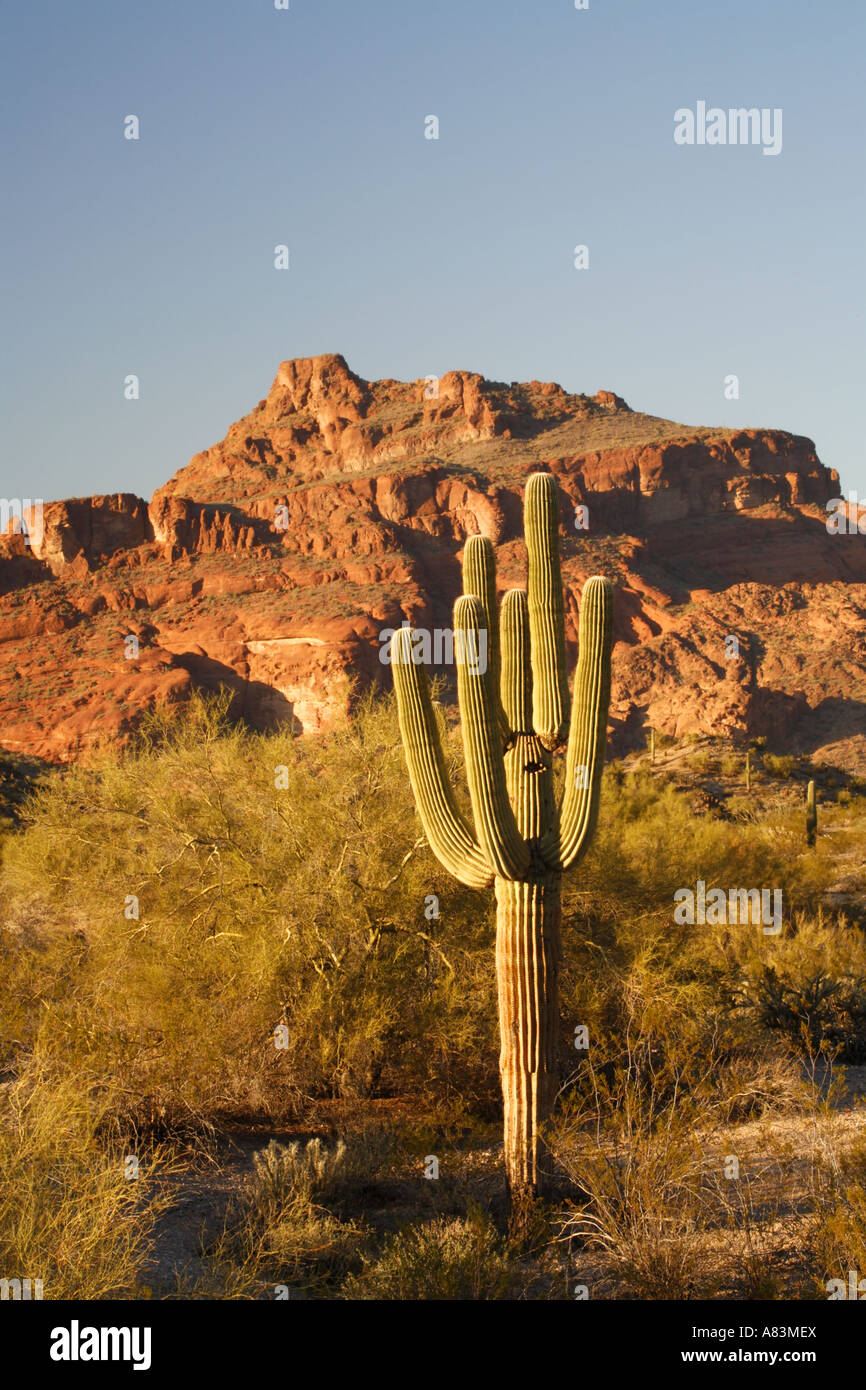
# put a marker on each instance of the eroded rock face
(86, 530)
(338, 508)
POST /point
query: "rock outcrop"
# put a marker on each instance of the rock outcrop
(337, 508)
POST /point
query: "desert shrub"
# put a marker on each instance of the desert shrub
(293, 1245)
(642, 1202)
(276, 882)
(732, 766)
(285, 1171)
(816, 1014)
(461, 1258)
(288, 1227)
(838, 1237)
(634, 1134)
(649, 843)
(621, 942)
(704, 763)
(70, 1213)
(779, 765)
(645, 1139)
(287, 944)
(806, 987)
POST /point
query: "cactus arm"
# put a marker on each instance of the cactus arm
(546, 610)
(579, 809)
(495, 823)
(479, 579)
(516, 678)
(448, 834)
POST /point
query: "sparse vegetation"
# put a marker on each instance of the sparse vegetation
(283, 884)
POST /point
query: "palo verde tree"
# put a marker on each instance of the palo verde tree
(514, 710)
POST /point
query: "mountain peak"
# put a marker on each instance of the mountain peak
(320, 417)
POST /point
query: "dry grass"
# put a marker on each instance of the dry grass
(72, 1212)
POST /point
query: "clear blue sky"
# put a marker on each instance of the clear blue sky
(412, 256)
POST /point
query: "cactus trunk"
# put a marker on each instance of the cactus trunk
(527, 974)
(811, 816)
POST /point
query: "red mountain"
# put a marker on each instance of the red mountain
(338, 507)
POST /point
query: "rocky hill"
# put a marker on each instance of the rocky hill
(338, 507)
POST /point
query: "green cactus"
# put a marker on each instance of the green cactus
(652, 746)
(514, 713)
(748, 769)
(811, 815)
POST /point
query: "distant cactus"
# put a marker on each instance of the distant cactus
(652, 745)
(748, 769)
(515, 714)
(811, 815)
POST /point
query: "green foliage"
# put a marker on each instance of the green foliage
(259, 905)
(776, 765)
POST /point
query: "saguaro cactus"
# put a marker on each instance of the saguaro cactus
(514, 715)
(811, 815)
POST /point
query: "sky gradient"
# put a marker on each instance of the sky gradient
(413, 256)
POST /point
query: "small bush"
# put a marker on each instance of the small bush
(704, 763)
(783, 765)
(733, 767)
(284, 1172)
(281, 1233)
(449, 1258)
(839, 1234)
(70, 1213)
(817, 1014)
(298, 1245)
